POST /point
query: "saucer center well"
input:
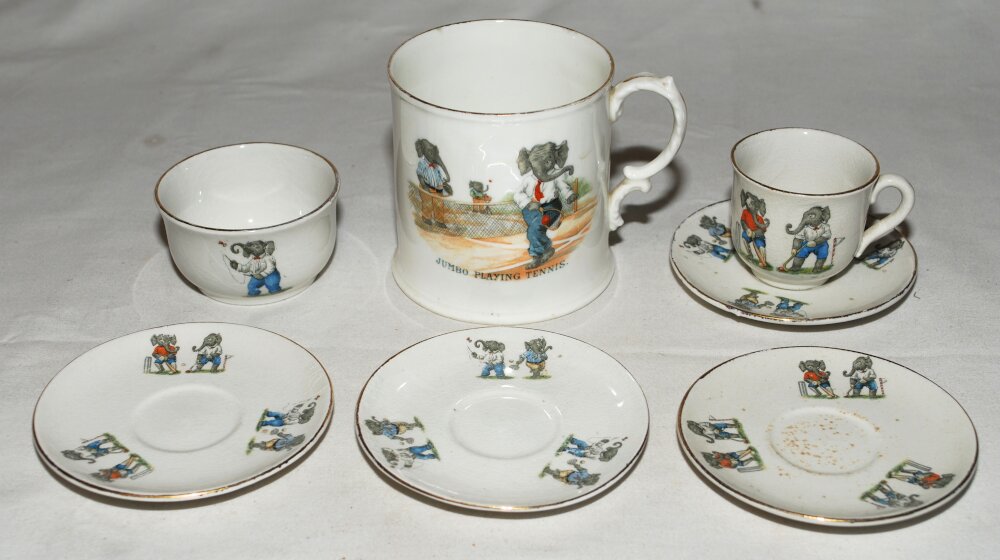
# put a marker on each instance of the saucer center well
(825, 440)
(505, 423)
(186, 418)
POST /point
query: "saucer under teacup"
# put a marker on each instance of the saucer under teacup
(828, 436)
(703, 256)
(182, 412)
(503, 419)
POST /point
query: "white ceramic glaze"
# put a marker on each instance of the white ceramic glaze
(467, 99)
(702, 256)
(145, 418)
(756, 428)
(462, 421)
(250, 223)
(800, 172)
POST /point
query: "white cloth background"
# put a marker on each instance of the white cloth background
(97, 99)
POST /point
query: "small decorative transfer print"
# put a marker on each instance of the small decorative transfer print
(258, 265)
(490, 355)
(299, 413)
(718, 231)
(277, 423)
(883, 496)
(94, 448)
(699, 247)
(788, 307)
(393, 430)
(522, 233)
(722, 429)
(210, 352)
(575, 474)
(574, 471)
(164, 355)
(132, 467)
(881, 256)
(480, 200)
(747, 460)
(603, 449)
(815, 378)
(862, 377)
(751, 300)
(535, 356)
(100, 449)
(811, 237)
(433, 178)
(921, 475)
(784, 307)
(753, 227)
(541, 194)
(282, 441)
(408, 455)
(163, 359)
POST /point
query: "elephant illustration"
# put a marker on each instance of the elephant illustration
(753, 226)
(210, 351)
(751, 300)
(535, 355)
(747, 460)
(393, 430)
(862, 377)
(604, 449)
(301, 413)
(480, 199)
(491, 357)
(696, 245)
(577, 475)
(541, 195)
(283, 441)
(815, 377)
(260, 266)
(164, 353)
(434, 183)
(715, 229)
(812, 237)
(883, 255)
(93, 449)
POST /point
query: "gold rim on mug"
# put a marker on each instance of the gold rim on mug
(329, 200)
(753, 316)
(732, 158)
(789, 514)
(487, 507)
(198, 494)
(604, 84)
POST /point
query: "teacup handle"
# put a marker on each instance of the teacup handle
(637, 177)
(896, 217)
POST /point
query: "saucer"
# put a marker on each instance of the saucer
(182, 412)
(702, 255)
(828, 436)
(503, 419)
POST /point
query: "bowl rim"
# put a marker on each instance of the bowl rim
(326, 202)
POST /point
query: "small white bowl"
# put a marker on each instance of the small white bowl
(250, 223)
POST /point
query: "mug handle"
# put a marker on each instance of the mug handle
(888, 223)
(637, 177)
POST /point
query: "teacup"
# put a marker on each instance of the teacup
(800, 203)
(250, 223)
(501, 138)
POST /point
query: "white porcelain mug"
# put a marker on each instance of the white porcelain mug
(800, 202)
(501, 141)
